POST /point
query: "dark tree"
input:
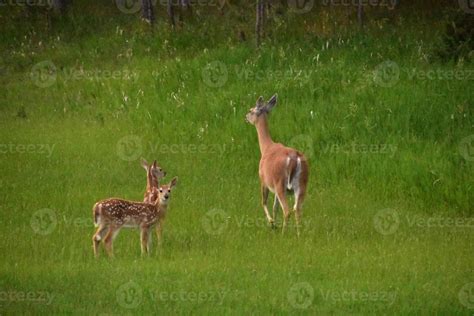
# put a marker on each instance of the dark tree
(360, 13)
(61, 5)
(147, 11)
(260, 21)
(170, 10)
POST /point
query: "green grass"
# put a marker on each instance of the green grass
(395, 146)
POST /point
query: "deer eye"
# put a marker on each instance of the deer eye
(161, 190)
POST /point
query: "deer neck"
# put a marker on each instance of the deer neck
(264, 138)
(159, 207)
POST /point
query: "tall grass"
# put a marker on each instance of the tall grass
(376, 140)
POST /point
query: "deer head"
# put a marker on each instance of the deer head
(260, 108)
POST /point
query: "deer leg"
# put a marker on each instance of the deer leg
(275, 207)
(109, 239)
(284, 205)
(97, 238)
(145, 238)
(299, 198)
(159, 231)
(265, 192)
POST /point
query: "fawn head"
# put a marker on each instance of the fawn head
(153, 170)
(164, 192)
(261, 107)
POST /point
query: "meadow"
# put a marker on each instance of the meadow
(388, 130)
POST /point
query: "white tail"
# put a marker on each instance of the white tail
(281, 168)
(111, 215)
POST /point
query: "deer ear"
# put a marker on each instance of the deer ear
(260, 102)
(154, 163)
(173, 182)
(271, 103)
(144, 164)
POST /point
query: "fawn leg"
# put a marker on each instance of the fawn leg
(109, 239)
(145, 237)
(159, 231)
(97, 238)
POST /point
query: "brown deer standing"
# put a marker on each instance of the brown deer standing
(154, 173)
(113, 214)
(281, 168)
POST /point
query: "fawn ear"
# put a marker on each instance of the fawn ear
(173, 182)
(260, 102)
(144, 164)
(271, 103)
(154, 164)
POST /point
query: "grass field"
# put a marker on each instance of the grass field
(389, 133)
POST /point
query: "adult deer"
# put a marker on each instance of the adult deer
(281, 168)
(154, 173)
(113, 214)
